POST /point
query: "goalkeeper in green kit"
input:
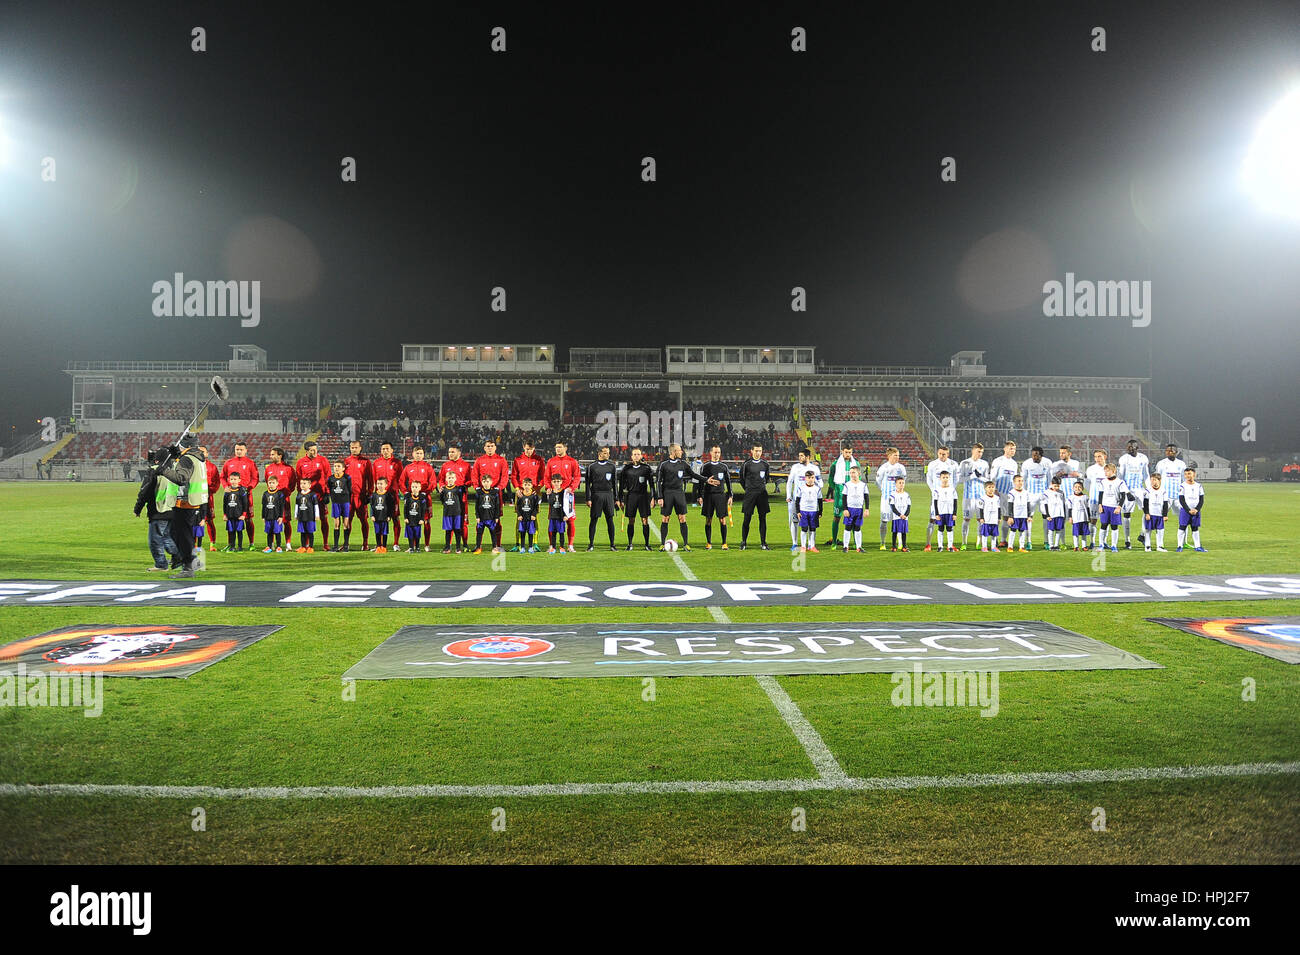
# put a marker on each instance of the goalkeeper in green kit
(838, 478)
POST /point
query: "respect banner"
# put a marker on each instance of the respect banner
(676, 649)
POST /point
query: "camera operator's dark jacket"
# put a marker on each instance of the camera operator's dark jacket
(146, 500)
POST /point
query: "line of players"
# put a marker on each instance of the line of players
(391, 495)
(1097, 500)
(1002, 498)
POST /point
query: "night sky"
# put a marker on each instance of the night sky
(775, 169)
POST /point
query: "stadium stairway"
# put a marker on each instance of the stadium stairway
(804, 433)
(910, 418)
(53, 451)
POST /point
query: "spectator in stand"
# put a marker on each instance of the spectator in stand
(975, 409)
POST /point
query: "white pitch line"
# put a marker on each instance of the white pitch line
(823, 760)
(882, 783)
(828, 767)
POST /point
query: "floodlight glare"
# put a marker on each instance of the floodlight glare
(1271, 170)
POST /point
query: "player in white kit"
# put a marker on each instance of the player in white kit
(857, 505)
(1080, 511)
(940, 465)
(990, 517)
(1053, 506)
(1021, 514)
(943, 509)
(1171, 468)
(900, 507)
(1001, 472)
(1191, 501)
(888, 472)
(1037, 472)
(1134, 469)
(971, 474)
(809, 502)
(1111, 498)
(1155, 508)
(794, 485)
(1093, 477)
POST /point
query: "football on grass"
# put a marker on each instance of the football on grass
(670, 545)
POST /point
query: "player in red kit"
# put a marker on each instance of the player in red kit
(213, 490)
(357, 466)
(242, 465)
(491, 464)
(390, 468)
(527, 467)
(284, 476)
(315, 468)
(568, 469)
(422, 471)
(458, 466)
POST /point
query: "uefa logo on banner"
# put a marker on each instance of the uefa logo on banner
(497, 648)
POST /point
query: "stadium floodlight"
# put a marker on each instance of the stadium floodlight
(1268, 172)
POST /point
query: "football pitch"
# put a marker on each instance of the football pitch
(269, 756)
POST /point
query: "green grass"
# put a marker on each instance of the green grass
(274, 715)
(1237, 533)
(1250, 820)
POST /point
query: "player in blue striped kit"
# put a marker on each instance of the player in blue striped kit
(971, 474)
(1134, 469)
(1037, 472)
(1002, 472)
(1171, 469)
(888, 472)
(939, 466)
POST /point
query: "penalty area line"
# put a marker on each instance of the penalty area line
(739, 786)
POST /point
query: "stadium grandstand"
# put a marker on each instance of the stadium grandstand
(782, 397)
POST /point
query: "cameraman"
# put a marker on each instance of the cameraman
(184, 468)
(158, 498)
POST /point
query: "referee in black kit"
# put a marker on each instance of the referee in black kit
(602, 495)
(754, 475)
(636, 486)
(672, 477)
(713, 490)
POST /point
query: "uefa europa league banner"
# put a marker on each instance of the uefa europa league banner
(1042, 592)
